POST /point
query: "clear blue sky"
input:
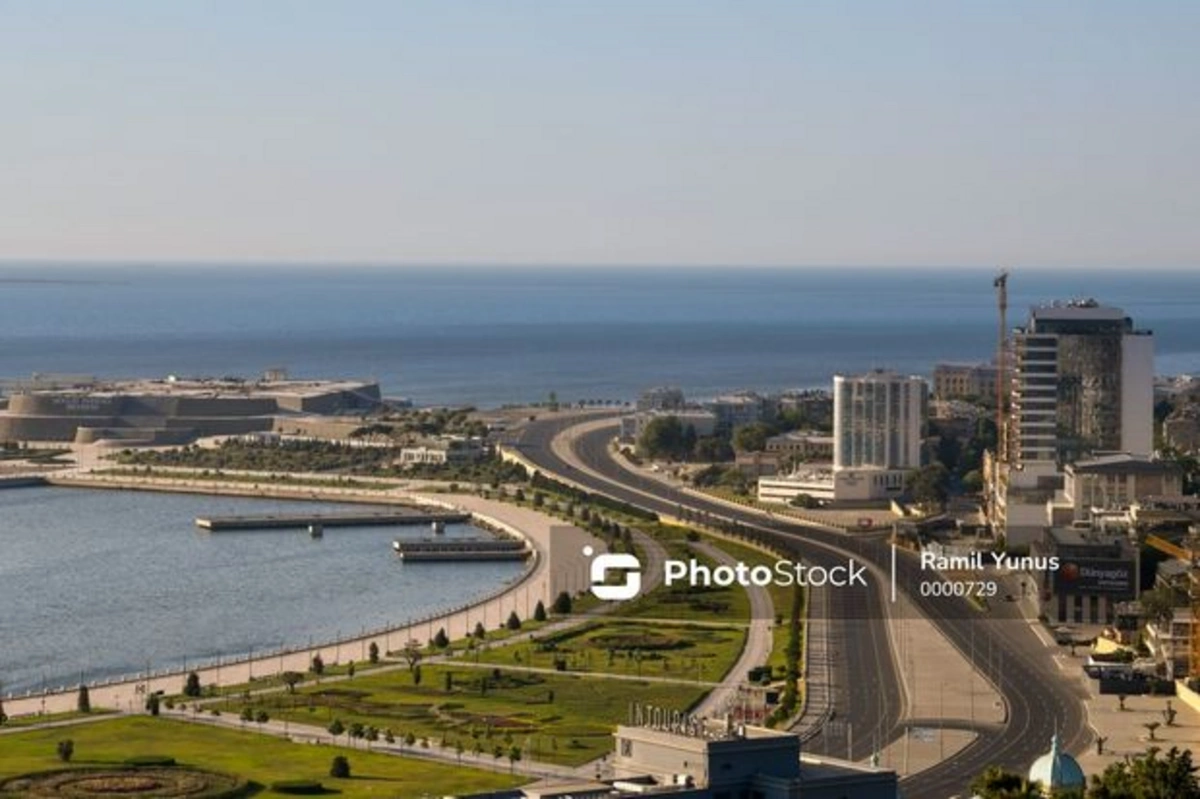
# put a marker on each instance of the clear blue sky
(1022, 133)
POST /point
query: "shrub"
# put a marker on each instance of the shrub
(539, 612)
(150, 761)
(298, 787)
(340, 768)
(562, 603)
(65, 750)
(191, 686)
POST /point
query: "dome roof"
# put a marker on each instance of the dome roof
(1057, 769)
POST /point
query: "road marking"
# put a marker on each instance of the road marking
(893, 574)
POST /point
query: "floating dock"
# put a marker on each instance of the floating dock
(494, 549)
(309, 521)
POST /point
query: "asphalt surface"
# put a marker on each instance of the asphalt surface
(867, 694)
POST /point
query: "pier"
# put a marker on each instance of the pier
(22, 482)
(494, 549)
(304, 521)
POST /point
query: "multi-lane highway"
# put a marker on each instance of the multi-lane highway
(867, 694)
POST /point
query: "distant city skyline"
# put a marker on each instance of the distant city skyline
(768, 134)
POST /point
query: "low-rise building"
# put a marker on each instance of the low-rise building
(1170, 643)
(703, 422)
(661, 398)
(961, 381)
(740, 409)
(444, 450)
(802, 446)
(813, 406)
(1181, 430)
(678, 755)
(1096, 571)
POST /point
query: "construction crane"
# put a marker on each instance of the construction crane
(1190, 555)
(1001, 286)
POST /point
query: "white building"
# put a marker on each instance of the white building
(446, 449)
(878, 420)
(878, 429)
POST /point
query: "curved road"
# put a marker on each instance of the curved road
(869, 696)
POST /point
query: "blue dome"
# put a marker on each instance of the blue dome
(1057, 769)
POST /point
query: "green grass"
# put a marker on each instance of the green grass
(557, 718)
(259, 758)
(683, 602)
(47, 718)
(265, 479)
(616, 646)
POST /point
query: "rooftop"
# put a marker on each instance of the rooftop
(1123, 463)
(208, 387)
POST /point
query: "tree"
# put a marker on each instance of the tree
(1121, 701)
(996, 783)
(1101, 740)
(1148, 776)
(479, 632)
(539, 612)
(930, 486)
(291, 679)
(65, 750)
(751, 437)
(339, 769)
(1158, 604)
(412, 653)
(261, 717)
(804, 501)
(373, 652)
(152, 704)
(1152, 727)
(336, 728)
(662, 437)
(350, 669)
(83, 702)
(514, 754)
(317, 666)
(191, 686)
(562, 604)
(448, 681)
(514, 621)
(441, 640)
(416, 675)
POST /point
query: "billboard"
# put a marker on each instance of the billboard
(1095, 576)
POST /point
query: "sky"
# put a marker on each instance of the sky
(1028, 134)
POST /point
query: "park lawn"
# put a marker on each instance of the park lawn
(557, 718)
(683, 602)
(781, 597)
(259, 758)
(619, 646)
(46, 718)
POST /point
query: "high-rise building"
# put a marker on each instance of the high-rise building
(878, 420)
(1083, 383)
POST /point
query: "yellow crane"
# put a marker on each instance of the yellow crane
(1190, 555)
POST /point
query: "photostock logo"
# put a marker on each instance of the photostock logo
(603, 564)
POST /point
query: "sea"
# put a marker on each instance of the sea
(506, 335)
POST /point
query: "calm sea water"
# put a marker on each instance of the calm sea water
(487, 337)
(105, 582)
